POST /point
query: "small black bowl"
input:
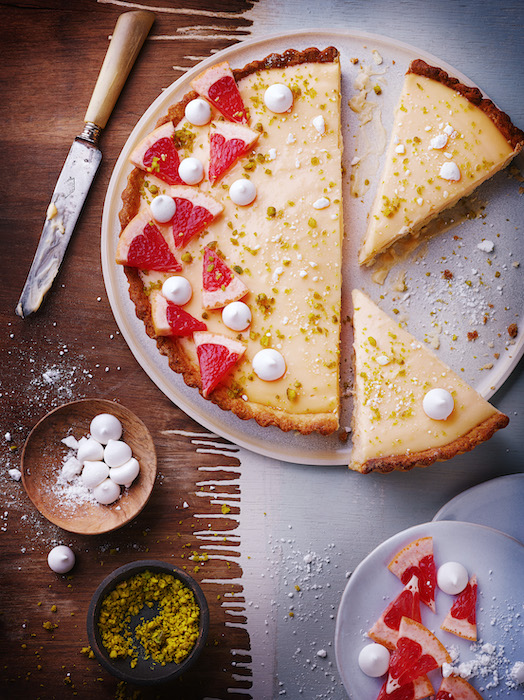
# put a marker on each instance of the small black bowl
(146, 671)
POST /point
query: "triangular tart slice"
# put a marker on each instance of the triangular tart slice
(446, 140)
(456, 688)
(143, 245)
(462, 618)
(406, 604)
(228, 143)
(418, 652)
(194, 212)
(220, 285)
(393, 374)
(416, 559)
(171, 319)
(414, 690)
(157, 154)
(217, 355)
(217, 84)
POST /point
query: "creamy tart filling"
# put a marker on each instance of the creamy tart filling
(285, 246)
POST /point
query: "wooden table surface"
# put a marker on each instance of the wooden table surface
(51, 54)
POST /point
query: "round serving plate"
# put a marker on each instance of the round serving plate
(502, 215)
(497, 560)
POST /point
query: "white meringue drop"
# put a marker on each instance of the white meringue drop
(125, 474)
(107, 492)
(117, 453)
(269, 365)
(452, 577)
(105, 427)
(163, 208)
(236, 316)
(450, 171)
(198, 112)
(94, 473)
(242, 192)
(278, 98)
(61, 559)
(191, 171)
(319, 124)
(374, 660)
(438, 404)
(90, 450)
(177, 289)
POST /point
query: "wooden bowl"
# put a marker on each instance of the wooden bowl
(43, 456)
(145, 672)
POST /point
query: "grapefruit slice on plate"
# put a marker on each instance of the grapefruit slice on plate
(217, 84)
(456, 688)
(417, 558)
(194, 211)
(227, 143)
(142, 245)
(415, 690)
(406, 604)
(462, 618)
(217, 355)
(418, 652)
(219, 283)
(157, 154)
(171, 319)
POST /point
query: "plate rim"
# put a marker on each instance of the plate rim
(236, 434)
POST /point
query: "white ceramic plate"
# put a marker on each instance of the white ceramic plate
(498, 503)
(502, 198)
(498, 561)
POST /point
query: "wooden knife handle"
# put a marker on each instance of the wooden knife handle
(129, 34)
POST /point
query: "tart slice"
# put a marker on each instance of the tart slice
(462, 618)
(446, 140)
(395, 382)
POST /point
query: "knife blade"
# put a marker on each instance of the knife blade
(83, 159)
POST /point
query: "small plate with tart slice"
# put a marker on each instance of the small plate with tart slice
(375, 597)
(285, 246)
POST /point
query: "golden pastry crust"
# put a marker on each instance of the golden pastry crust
(511, 133)
(179, 360)
(465, 443)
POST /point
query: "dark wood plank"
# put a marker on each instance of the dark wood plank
(51, 55)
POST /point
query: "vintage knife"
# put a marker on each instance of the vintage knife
(83, 159)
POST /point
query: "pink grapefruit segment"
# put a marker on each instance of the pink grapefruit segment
(414, 690)
(217, 355)
(220, 285)
(142, 245)
(418, 652)
(194, 211)
(227, 143)
(462, 618)
(171, 319)
(157, 154)
(217, 84)
(406, 604)
(417, 559)
(456, 688)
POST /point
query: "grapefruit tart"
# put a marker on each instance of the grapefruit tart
(410, 408)
(446, 140)
(231, 238)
